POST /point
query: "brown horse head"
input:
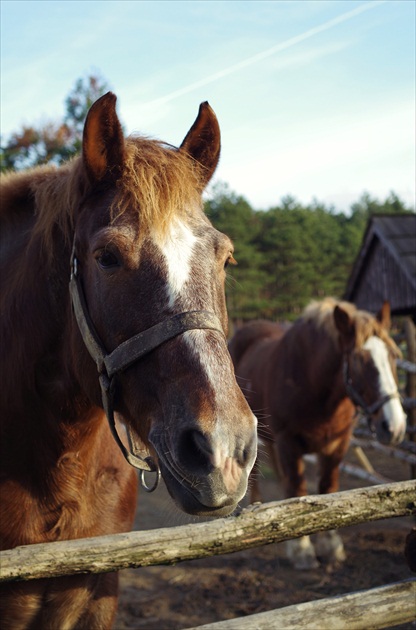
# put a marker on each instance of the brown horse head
(370, 368)
(146, 253)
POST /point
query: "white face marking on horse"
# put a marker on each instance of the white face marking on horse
(177, 247)
(216, 365)
(379, 354)
(393, 410)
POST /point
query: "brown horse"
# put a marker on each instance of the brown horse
(140, 333)
(308, 380)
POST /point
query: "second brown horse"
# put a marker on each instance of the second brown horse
(306, 380)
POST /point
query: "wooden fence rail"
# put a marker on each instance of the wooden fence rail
(257, 525)
(381, 607)
(390, 451)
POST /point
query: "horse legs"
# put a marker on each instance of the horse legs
(328, 545)
(291, 465)
(68, 603)
(300, 551)
(103, 606)
(329, 472)
(255, 493)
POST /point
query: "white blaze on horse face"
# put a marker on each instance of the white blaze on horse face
(177, 247)
(219, 372)
(393, 410)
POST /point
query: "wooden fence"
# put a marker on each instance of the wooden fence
(256, 525)
(363, 441)
(375, 608)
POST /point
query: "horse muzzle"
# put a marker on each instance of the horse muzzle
(390, 422)
(204, 474)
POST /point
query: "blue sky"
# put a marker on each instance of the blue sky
(314, 99)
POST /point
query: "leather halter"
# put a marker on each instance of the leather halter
(357, 399)
(109, 364)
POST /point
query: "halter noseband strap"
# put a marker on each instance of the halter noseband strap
(127, 353)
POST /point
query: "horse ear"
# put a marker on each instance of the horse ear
(384, 316)
(203, 141)
(346, 328)
(103, 141)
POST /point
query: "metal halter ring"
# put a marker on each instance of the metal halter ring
(143, 480)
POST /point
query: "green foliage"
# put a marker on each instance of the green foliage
(234, 216)
(290, 253)
(54, 142)
(85, 92)
(31, 146)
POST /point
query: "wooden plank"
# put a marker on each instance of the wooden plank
(362, 458)
(381, 607)
(257, 525)
(354, 471)
(390, 451)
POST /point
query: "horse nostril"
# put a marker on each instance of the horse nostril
(385, 426)
(384, 432)
(249, 452)
(195, 452)
(199, 455)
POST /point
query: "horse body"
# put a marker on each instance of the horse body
(297, 379)
(129, 213)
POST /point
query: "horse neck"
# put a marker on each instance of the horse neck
(43, 403)
(324, 361)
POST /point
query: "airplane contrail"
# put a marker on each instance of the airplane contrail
(289, 43)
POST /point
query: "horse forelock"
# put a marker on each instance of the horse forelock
(366, 325)
(159, 182)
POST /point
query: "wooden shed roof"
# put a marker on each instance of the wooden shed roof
(385, 268)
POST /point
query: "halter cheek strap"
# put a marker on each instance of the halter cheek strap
(127, 353)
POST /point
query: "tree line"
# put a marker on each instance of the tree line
(291, 253)
(286, 255)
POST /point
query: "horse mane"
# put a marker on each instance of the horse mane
(366, 325)
(158, 182)
(49, 193)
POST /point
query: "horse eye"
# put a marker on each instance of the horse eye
(107, 260)
(230, 261)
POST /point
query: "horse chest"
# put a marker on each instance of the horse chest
(76, 503)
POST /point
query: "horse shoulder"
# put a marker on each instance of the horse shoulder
(30, 513)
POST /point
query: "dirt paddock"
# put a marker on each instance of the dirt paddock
(196, 592)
